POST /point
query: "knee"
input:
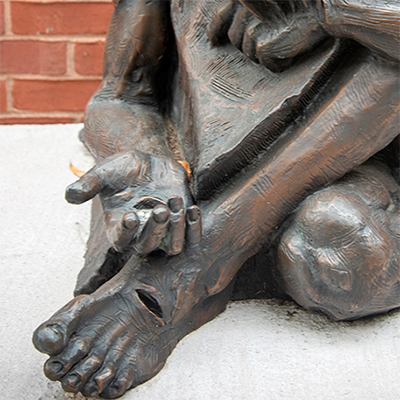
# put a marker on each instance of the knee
(336, 258)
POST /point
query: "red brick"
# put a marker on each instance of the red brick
(60, 18)
(2, 28)
(33, 57)
(89, 58)
(46, 95)
(3, 96)
(12, 120)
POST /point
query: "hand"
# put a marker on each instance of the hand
(270, 32)
(144, 200)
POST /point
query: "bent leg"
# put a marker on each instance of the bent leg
(341, 253)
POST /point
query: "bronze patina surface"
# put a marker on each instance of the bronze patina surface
(243, 149)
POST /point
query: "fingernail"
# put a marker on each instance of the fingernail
(74, 187)
(72, 191)
(130, 221)
(175, 203)
(160, 214)
(193, 214)
(53, 369)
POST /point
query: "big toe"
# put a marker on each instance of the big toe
(53, 335)
(50, 338)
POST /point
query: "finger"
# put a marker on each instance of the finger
(84, 189)
(268, 11)
(121, 231)
(250, 39)
(194, 229)
(238, 27)
(153, 231)
(278, 52)
(218, 28)
(175, 235)
(274, 64)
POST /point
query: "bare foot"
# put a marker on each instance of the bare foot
(120, 336)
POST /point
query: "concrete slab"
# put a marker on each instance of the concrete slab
(255, 350)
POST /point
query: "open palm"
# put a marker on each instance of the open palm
(146, 200)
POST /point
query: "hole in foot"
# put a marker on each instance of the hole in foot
(150, 302)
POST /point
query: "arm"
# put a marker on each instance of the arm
(375, 23)
(273, 32)
(124, 113)
(144, 192)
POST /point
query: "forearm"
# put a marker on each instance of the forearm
(134, 50)
(124, 114)
(116, 126)
(373, 23)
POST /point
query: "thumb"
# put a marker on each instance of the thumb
(84, 189)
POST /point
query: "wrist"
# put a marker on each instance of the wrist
(115, 126)
(330, 11)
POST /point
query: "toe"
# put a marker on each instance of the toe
(90, 389)
(71, 383)
(116, 357)
(125, 375)
(77, 378)
(58, 366)
(53, 336)
(120, 385)
(50, 338)
(104, 378)
(96, 371)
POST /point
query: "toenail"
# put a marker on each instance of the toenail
(52, 369)
(68, 387)
(74, 381)
(48, 340)
(56, 366)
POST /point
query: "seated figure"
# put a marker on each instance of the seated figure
(228, 131)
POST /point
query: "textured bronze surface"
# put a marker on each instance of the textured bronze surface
(285, 115)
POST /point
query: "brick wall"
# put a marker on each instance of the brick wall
(51, 56)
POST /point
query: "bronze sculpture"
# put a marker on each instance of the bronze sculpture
(231, 134)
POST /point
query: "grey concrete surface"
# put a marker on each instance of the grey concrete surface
(254, 350)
